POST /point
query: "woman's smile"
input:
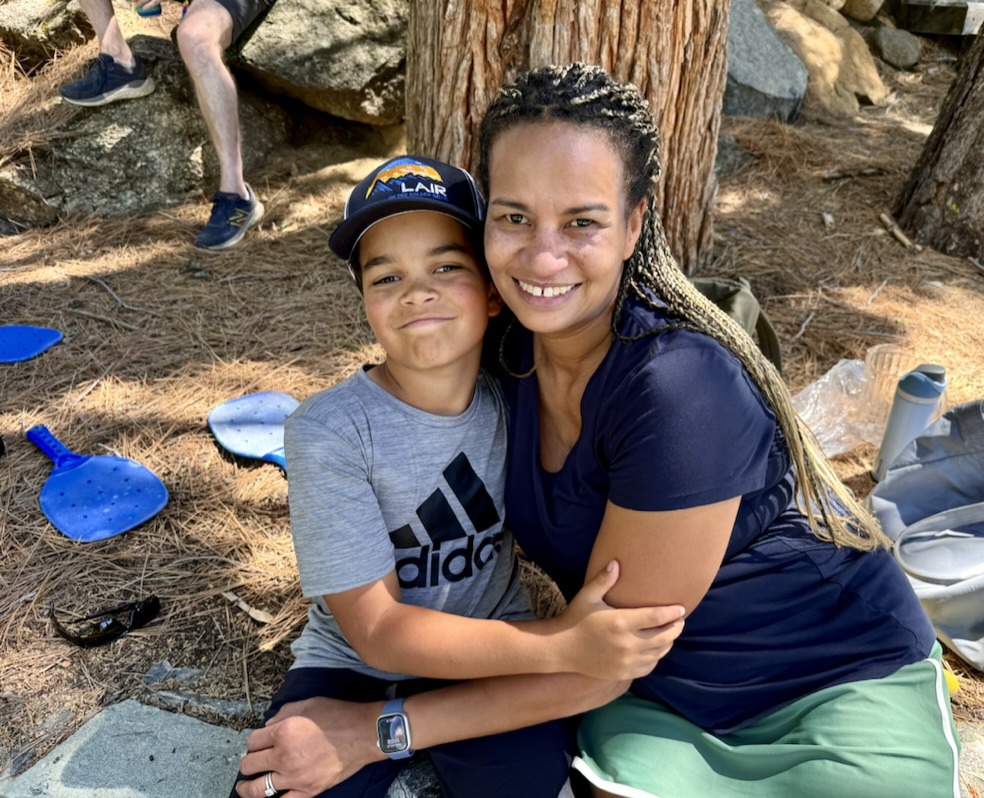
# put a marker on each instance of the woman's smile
(545, 291)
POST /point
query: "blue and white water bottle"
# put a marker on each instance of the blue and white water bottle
(916, 398)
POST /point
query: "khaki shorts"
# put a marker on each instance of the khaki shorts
(879, 738)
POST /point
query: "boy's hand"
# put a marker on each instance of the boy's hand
(609, 643)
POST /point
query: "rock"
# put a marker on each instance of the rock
(896, 47)
(24, 197)
(862, 10)
(416, 780)
(37, 29)
(971, 755)
(163, 671)
(345, 57)
(765, 77)
(820, 12)
(730, 157)
(134, 156)
(840, 65)
(228, 711)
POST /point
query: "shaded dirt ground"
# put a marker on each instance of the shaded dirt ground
(156, 334)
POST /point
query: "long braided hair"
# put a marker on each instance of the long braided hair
(585, 95)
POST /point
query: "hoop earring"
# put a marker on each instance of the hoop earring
(502, 355)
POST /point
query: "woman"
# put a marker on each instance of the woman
(647, 428)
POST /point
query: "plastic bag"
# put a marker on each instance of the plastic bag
(835, 409)
(850, 404)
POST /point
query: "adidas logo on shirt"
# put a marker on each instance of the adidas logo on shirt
(451, 553)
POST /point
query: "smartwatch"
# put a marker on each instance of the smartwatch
(393, 731)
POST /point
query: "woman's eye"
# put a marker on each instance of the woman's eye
(582, 222)
(515, 218)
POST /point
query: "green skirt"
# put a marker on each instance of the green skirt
(879, 738)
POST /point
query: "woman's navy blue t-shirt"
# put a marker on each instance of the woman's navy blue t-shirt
(674, 421)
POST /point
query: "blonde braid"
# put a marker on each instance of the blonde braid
(586, 95)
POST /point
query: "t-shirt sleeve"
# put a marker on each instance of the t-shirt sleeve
(687, 428)
(340, 536)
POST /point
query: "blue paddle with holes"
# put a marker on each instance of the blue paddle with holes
(253, 425)
(20, 342)
(94, 497)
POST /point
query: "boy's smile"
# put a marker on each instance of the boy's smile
(426, 296)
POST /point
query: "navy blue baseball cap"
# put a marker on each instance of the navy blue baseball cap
(404, 184)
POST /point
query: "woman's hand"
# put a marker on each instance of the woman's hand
(608, 643)
(309, 746)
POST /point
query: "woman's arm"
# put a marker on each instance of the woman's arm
(590, 637)
(315, 744)
(666, 556)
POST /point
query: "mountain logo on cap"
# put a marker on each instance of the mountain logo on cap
(398, 177)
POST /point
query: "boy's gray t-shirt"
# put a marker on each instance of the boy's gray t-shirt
(376, 484)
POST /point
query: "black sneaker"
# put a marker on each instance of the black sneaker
(107, 81)
(231, 217)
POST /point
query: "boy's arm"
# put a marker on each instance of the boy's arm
(315, 744)
(331, 498)
(589, 638)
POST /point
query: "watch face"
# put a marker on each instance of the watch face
(391, 731)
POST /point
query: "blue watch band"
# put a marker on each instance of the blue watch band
(394, 707)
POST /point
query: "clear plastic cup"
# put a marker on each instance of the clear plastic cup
(884, 365)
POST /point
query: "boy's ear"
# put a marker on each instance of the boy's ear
(495, 301)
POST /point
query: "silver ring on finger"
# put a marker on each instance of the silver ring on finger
(268, 789)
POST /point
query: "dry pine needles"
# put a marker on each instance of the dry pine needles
(157, 334)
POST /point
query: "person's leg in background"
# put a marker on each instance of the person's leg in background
(207, 30)
(117, 73)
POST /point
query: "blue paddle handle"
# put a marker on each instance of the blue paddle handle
(278, 457)
(53, 448)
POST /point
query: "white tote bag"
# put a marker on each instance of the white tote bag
(931, 503)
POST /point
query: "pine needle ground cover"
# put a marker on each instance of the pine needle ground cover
(157, 334)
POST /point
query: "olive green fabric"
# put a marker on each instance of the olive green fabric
(735, 298)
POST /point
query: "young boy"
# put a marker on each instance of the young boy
(396, 501)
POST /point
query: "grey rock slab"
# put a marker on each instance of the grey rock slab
(37, 29)
(971, 757)
(134, 751)
(898, 48)
(342, 57)
(765, 77)
(164, 670)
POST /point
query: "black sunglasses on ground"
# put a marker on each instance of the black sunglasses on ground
(109, 628)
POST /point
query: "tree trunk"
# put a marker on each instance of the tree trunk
(458, 54)
(943, 203)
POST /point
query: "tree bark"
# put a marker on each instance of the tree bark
(943, 203)
(458, 54)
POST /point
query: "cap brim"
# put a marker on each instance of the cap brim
(347, 235)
